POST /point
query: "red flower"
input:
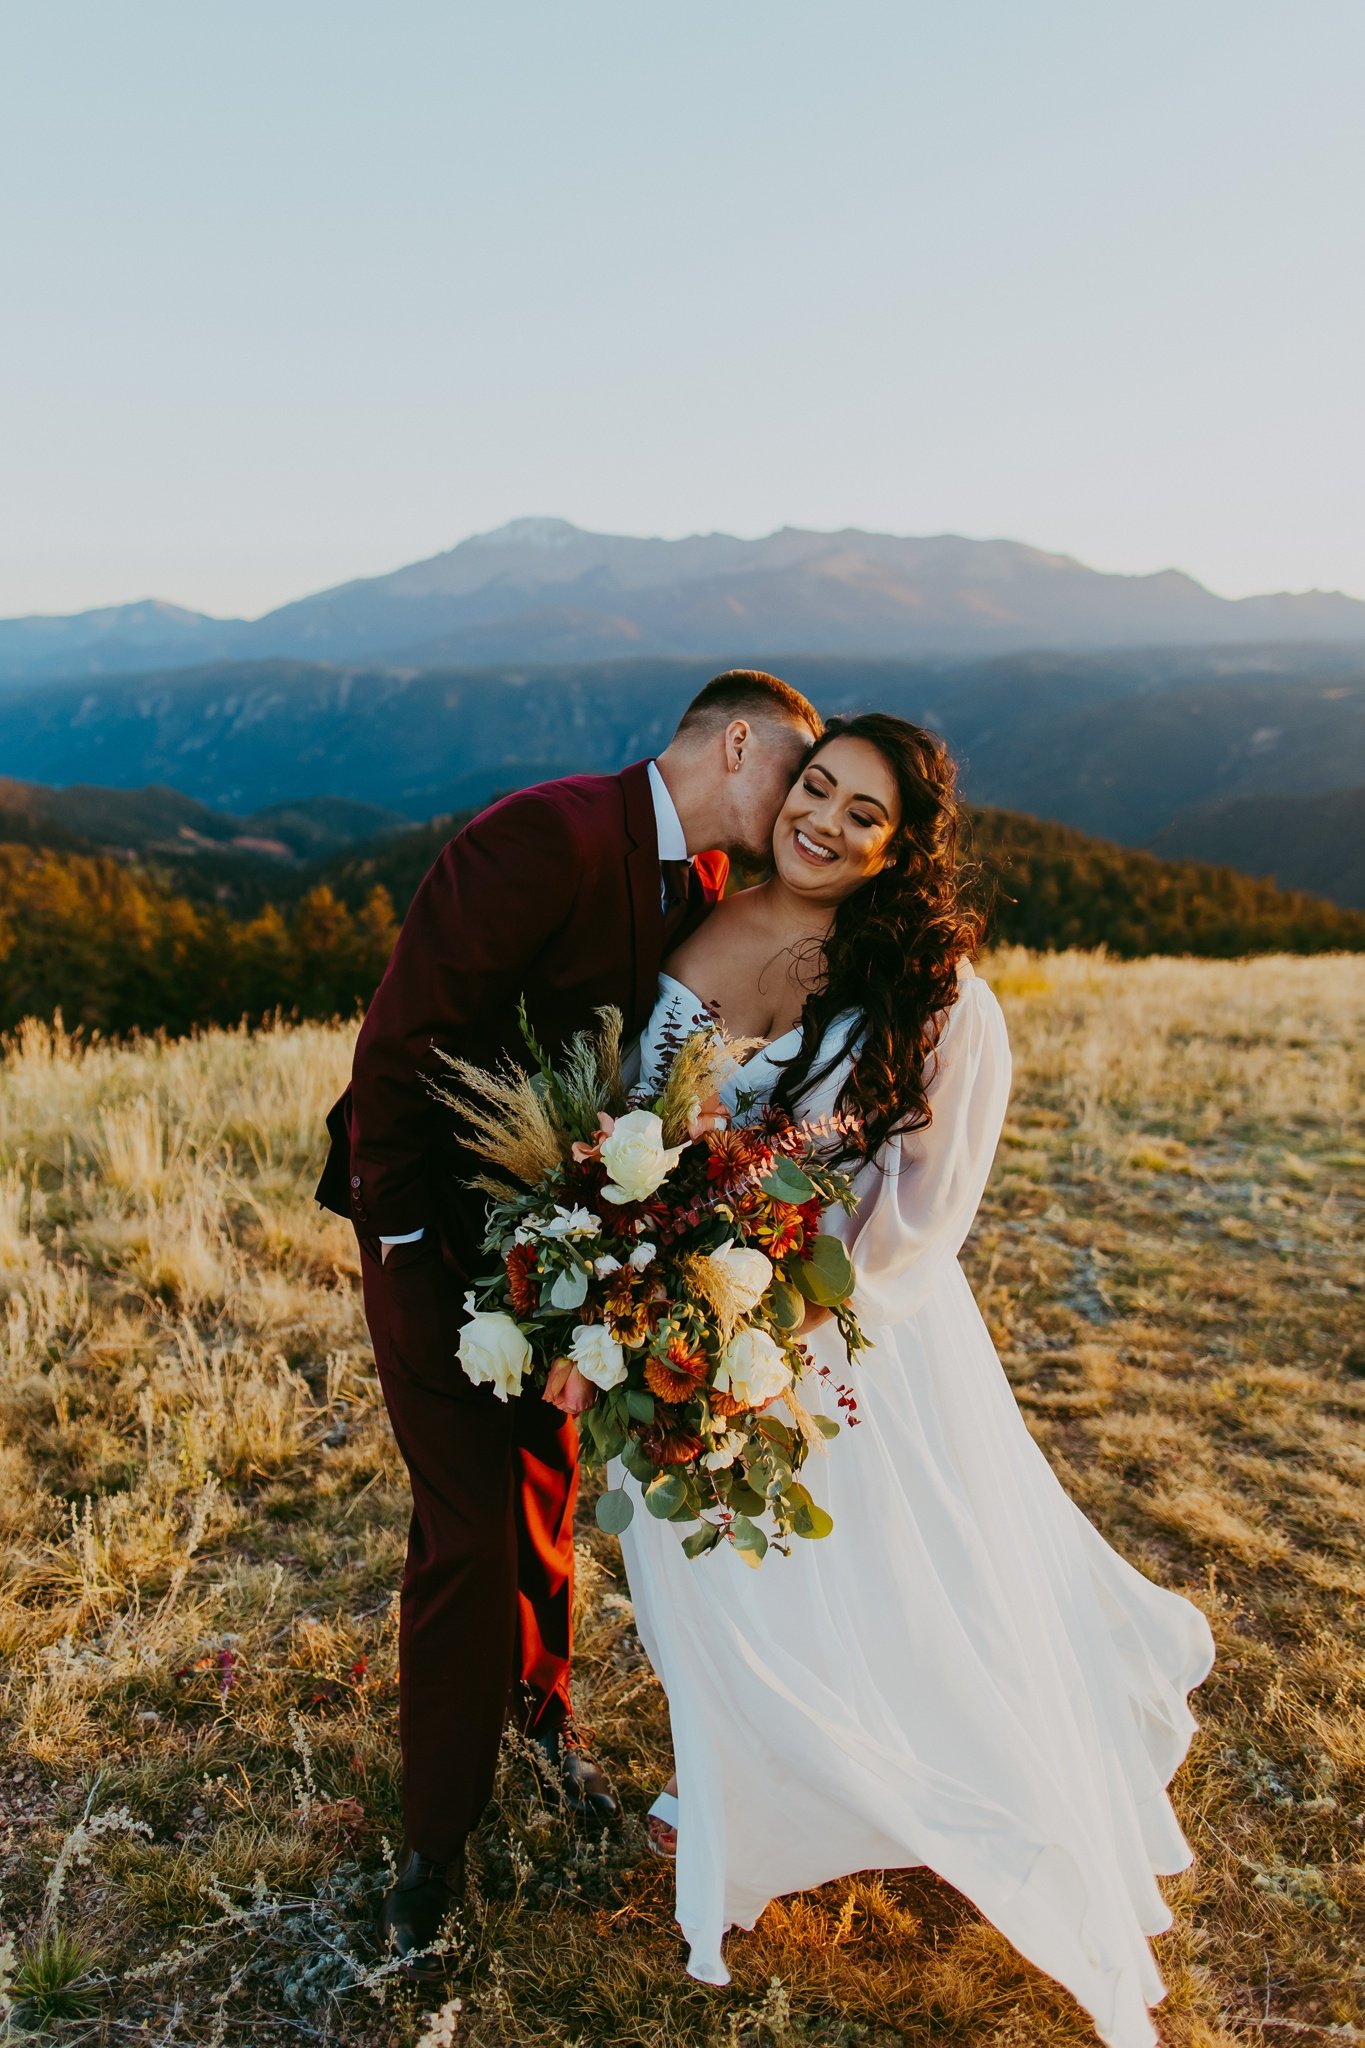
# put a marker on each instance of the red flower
(782, 1231)
(733, 1152)
(811, 1214)
(522, 1284)
(669, 1443)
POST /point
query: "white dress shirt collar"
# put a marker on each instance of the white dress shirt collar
(672, 838)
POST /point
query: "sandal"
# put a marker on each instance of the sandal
(661, 1825)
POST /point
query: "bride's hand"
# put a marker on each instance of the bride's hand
(813, 1318)
(566, 1388)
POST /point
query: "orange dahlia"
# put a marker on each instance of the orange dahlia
(723, 1406)
(668, 1381)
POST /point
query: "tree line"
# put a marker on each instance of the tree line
(117, 948)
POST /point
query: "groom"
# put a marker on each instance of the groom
(572, 893)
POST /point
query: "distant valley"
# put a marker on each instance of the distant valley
(1179, 749)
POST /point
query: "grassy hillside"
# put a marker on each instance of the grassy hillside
(204, 1520)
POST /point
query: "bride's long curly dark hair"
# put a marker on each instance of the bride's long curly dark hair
(892, 953)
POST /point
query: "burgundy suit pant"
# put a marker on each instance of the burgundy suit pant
(485, 1618)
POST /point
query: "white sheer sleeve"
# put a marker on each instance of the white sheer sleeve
(919, 1196)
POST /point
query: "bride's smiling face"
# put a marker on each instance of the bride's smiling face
(838, 826)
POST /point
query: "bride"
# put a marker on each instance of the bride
(964, 1674)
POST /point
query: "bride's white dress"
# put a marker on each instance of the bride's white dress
(964, 1674)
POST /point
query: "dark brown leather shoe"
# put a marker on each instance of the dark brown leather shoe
(415, 1909)
(575, 1778)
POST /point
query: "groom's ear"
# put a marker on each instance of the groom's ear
(737, 737)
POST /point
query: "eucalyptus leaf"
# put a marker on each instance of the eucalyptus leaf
(787, 1307)
(639, 1404)
(615, 1511)
(665, 1492)
(787, 1183)
(636, 1462)
(748, 1539)
(701, 1540)
(746, 1500)
(826, 1425)
(826, 1277)
(591, 1420)
(812, 1521)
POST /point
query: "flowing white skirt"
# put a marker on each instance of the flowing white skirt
(963, 1675)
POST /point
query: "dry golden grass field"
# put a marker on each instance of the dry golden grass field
(203, 1521)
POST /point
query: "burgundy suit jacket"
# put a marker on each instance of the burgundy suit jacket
(553, 892)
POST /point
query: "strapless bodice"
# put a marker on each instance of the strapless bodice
(679, 1009)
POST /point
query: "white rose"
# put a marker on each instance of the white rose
(636, 1156)
(752, 1368)
(571, 1223)
(727, 1449)
(642, 1255)
(748, 1272)
(493, 1347)
(606, 1266)
(598, 1356)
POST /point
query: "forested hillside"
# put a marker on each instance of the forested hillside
(117, 947)
(1302, 842)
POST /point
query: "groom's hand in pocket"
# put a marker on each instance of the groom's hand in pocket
(566, 1388)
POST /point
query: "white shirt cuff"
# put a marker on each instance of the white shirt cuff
(408, 1237)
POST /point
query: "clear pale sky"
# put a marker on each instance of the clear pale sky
(295, 290)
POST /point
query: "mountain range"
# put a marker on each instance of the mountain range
(546, 591)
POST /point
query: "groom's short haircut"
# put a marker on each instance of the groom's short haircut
(748, 693)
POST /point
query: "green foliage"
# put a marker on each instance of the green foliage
(748, 1540)
(1056, 888)
(113, 952)
(787, 1183)
(117, 947)
(615, 1511)
(665, 1494)
(53, 1980)
(826, 1277)
(788, 1308)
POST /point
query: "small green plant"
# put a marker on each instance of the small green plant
(55, 1980)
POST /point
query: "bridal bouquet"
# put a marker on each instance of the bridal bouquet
(669, 1254)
